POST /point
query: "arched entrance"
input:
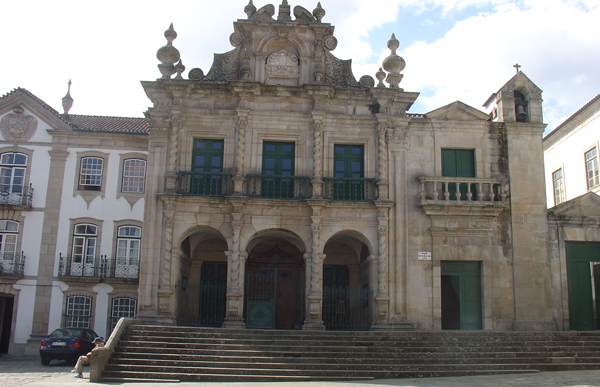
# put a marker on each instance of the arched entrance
(274, 286)
(347, 296)
(202, 287)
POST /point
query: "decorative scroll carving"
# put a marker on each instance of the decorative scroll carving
(397, 138)
(17, 127)
(236, 39)
(225, 67)
(330, 42)
(367, 81)
(339, 72)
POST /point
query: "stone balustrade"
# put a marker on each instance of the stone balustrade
(465, 191)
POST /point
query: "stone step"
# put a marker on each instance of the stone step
(194, 377)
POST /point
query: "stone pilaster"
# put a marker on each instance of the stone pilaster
(383, 298)
(171, 175)
(236, 261)
(382, 163)
(165, 289)
(317, 180)
(243, 116)
(43, 291)
(315, 294)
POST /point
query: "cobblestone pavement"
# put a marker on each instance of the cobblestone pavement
(27, 371)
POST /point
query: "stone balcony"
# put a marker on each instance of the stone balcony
(462, 195)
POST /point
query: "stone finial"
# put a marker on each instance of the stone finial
(168, 55)
(284, 12)
(67, 101)
(250, 9)
(179, 69)
(394, 63)
(318, 12)
(380, 75)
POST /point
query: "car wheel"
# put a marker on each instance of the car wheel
(45, 361)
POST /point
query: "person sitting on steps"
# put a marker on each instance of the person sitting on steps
(83, 360)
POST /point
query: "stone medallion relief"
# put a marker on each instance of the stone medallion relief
(282, 68)
(18, 127)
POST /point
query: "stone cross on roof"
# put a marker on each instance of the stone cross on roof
(517, 66)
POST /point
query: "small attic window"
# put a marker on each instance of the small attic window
(521, 107)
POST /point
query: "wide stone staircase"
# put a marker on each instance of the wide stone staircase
(162, 353)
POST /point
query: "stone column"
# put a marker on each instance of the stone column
(243, 116)
(317, 180)
(383, 298)
(166, 295)
(171, 175)
(314, 320)
(382, 163)
(235, 268)
(43, 290)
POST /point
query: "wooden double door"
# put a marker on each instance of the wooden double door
(274, 292)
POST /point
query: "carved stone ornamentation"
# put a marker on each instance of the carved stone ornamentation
(17, 127)
(330, 42)
(282, 64)
(367, 81)
(236, 39)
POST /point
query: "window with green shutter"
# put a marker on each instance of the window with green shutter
(278, 161)
(348, 163)
(207, 157)
(458, 163)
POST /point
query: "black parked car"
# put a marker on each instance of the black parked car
(66, 344)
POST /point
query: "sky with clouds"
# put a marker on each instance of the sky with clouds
(454, 49)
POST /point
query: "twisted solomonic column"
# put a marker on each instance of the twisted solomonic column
(382, 154)
(318, 150)
(241, 147)
(165, 275)
(173, 144)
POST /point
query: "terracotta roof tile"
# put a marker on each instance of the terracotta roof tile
(109, 124)
(91, 123)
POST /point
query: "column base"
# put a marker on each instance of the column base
(234, 323)
(313, 325)
(32, 347)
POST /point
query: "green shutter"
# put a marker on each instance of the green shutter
(458, 163)
(207, 157)
(348, 162)
(465, 276)
(579, 278)
(278, 160)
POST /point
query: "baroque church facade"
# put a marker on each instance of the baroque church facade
(278, 192)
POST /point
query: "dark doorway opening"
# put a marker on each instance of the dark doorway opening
(461, 295)
(274, 292)
(6, 314)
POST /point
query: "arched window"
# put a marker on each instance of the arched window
(78, 311)
(134, 176)
(12, 172)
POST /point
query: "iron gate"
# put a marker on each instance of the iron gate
(202, 305)
(261, 289)
(346, 309)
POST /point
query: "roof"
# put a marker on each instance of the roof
(572, 117)
(90, 123)
(109, 124)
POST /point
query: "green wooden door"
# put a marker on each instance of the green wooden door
(579, 278)
(207, 157)
(348, 161)
(278, 161)
(458, 163)
(461, 295)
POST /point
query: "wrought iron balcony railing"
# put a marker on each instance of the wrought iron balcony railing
(462, 190)
(277, 186)
(9, 197)
(102, 267)
(12, 264)
(204, 184)
(350, 189)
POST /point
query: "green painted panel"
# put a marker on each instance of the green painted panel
(581, 308)
(458, 163)
(207, 157)
(348, 162)
(464, 306)
(278, 160)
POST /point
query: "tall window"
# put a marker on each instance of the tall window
(122, 307)
(278, 160)
(591, 166)
(85, 237)
(348, 163)
(9, 232)
(90, 174)
(128, 245)
(134, 176)
(459, 163)
(559, 186)
(207, 158)
(12, 172)
(78, 312)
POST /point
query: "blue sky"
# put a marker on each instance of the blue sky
(454, 49)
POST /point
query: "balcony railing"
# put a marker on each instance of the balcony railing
(461, 190)
(349, 189)
(24, 198)
(102, 267)
(12, 264)
(277, 186)
(204, 184)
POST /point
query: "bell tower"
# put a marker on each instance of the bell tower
(519, 100)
